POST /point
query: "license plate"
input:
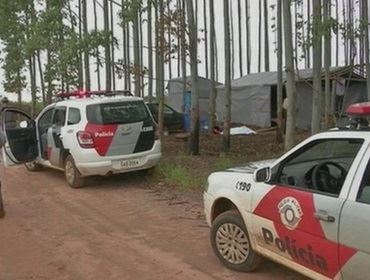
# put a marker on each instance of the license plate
(129, 163)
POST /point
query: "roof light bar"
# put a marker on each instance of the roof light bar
(359, 109)
(85, 93)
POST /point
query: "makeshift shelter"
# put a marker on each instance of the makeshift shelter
(176, 94)
(253, 97)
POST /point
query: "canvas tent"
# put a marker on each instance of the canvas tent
(175, 97)
(253, 97)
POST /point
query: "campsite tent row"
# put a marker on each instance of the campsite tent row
(253, 97)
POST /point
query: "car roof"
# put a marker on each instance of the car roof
(96, 100)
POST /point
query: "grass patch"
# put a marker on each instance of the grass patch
(223, 163)
(178, 175)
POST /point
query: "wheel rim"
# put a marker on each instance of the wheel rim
(70, 172)
(232, 243)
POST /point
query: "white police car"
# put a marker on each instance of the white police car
(85, 133)
(308, 210)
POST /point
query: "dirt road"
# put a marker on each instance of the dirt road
(116, 228)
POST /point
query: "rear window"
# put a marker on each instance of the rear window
(117, 112)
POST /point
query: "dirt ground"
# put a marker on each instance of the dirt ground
(120, 227)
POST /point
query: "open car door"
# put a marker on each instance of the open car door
(20, 134)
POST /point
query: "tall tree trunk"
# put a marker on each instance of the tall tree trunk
(136, 53)
(169, 26)
(247, 37)
(259, 35)
(279, 92)
(232, 37)
(361, 38)
(108, 67)
(97, 52)
(141, 53)
(266, 25)
(309, 35)
(367, 49)
(327, 63)
(205, 37)
(80, 58)
(160, 93)
(150, 52)
(112, 46)
(183, 46)
(86, 51)
(317, 89)
(291, 83)
(345, 31)
(227, 115)
(240, 39)
(157, 53)
(128, 55)
(42, 83)
(193, 43)
(337, 34)
(212, 98)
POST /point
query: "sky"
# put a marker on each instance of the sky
(254, 18)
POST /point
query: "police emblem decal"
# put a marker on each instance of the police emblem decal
(290, 212)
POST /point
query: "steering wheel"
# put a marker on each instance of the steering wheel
(322, 180)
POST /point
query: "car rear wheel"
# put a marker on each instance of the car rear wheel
(33, 166)
(231, 243)
(73, 176)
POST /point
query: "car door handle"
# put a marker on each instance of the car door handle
(324, 216)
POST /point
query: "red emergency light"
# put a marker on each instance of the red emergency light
(359, 109)
(86, 93)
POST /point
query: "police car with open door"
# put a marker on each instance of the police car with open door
(308, 210)
(83, 134)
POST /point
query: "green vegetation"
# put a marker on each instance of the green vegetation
(179, 176)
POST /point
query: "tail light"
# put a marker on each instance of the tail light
(85, 140)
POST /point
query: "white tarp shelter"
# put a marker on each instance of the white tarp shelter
(253, 97)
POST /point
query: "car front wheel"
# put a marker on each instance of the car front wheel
(231, 243)
(73, 176)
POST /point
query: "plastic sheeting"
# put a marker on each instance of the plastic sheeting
(249, 105)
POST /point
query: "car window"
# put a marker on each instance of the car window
(74, 116)
(320, 166)
(59, 117)
(117, 113)
(364, 191)
(15, 119)
(45, 120)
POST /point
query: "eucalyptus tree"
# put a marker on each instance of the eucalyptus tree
(86, 50)
(193, 49)
(96, 51)
(267, 44)
(279, 92)
(227, 115)
(205, 22)
(317, 64)
(240, 37)
(108, 67)
(212, 41)
(247, 36)
(290, 74)
(150, 50)
(327, 23)
(365, 24)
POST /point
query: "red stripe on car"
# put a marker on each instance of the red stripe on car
(102, 135)
(305, 241)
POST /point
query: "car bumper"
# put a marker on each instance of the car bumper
(208, 202)
(114, 165)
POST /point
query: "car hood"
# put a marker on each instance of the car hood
(251, 166)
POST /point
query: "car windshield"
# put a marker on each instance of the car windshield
(117, 112)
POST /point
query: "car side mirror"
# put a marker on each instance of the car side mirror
(262, 175)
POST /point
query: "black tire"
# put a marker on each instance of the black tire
(73, 176)
(243, 258)
(33, 166)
